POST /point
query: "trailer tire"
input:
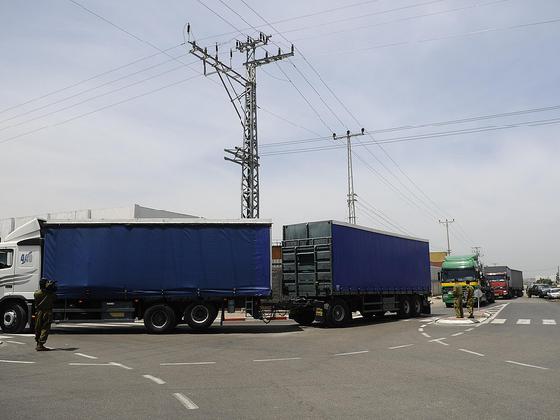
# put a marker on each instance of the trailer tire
(339, 313)
(13, 318)
(159, 319)
(405, 309)
(304, 318)
(416, 306)
(200, 315)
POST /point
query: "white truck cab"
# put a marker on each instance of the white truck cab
(20, 272)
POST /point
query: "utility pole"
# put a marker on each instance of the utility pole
(476, 250)
(446, 223)
(351, 195)
(245, 104)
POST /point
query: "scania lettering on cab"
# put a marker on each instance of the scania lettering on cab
(505, 282)
(331, 269)
(463, 268)
(164, 271)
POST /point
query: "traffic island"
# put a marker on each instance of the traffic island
(479, 317)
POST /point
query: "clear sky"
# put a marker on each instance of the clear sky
(93, 114)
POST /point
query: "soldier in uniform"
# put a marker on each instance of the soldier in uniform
(44, 301)
(470, 299)
(458, 299)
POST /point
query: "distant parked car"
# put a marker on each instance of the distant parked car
(544, 290)
(535, 289)
(553, 293)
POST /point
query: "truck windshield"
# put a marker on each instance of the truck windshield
(6, 258)
(462, 275)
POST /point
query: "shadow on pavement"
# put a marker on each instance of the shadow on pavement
(182, 330)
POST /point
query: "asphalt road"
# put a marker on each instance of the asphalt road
(506, 367)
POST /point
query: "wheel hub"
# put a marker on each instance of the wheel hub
(200, 314)
(9, 318)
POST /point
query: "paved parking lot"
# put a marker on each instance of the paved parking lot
(389, 368)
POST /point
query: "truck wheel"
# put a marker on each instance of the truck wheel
(200, 315)
(405, 310)
(339, 313)
(416, 306)
(159, 319)
(304, 318)
(13, 318)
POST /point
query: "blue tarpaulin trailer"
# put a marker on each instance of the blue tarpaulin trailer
(133, 260)
(333, 268)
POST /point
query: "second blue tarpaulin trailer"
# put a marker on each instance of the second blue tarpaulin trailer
(349, 268)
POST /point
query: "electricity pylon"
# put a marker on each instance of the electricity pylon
(245, 104)
(351, 195)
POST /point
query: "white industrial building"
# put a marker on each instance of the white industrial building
(133, 212)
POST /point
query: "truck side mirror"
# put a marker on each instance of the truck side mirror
(10, 259)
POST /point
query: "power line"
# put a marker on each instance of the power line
(432, 124)
(65, 108)
(110, 82)
(475, 130)
(408, 18)
(441, 37)
(96, 76)
(99, 109)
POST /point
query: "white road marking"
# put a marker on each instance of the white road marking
(5, 336)
(407, 320)
(90, 364)
(120, 365)
(438, 340)
(472, 352)
(422, 326)
(87, 356)
(16, 361)
(14, 342)
(498, 321)
(522, 321)
(24, 335)
(400, 347)
(352, 352)
(153, 378)
(187, 403)
(549, 322)
(420, 329)
(277, 360)
(525, 364)
(469, 329)
(494, 314)
(187, 363)
(426, 335)
(457, 334)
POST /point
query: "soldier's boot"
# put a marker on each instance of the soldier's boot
(41, 347)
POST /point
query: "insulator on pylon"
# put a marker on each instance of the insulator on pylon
(216, 48)
(347, 132)
(230, 53)
(334, 136)
(363, 130)
(205, 50)
(292, 48)
(266, 54)
(279, 51)
(188, 28)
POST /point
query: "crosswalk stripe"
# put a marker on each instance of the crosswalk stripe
(522, 321)
(549, 322)
(498, 321)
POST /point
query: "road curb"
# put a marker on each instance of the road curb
(462, 321)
